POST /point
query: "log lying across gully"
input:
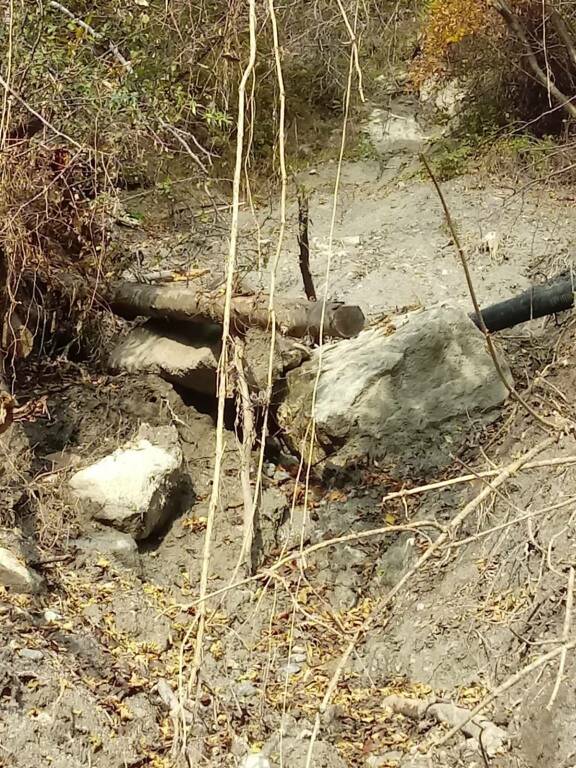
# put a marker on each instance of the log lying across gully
(557, 295)
(295, 317)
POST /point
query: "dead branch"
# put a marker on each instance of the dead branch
(112, 47)
(441, 484)
(515, 26)
(304, 245)
(565, 638)
(510, 683)
(479, 317)
(564, 33)
(294, 317)
(387, 598)
(245, 449)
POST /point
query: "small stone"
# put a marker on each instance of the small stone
(255, 760)
(239, 746)
(31, 653)
(290, 669)
(245, 689)
(52, 616)
(120, 545)
(16, 575)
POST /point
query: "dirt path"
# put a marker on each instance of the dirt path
(391, 246)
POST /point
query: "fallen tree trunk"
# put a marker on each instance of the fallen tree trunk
(295, 317)
(557, 295)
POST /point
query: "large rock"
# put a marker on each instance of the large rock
(15, 574)
(184, 355)
(135, 489)
(407, 398)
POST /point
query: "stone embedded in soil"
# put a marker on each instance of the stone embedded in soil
(135, 489)
(408, 398)
(182, 354)
(16, 575)
(120, 545)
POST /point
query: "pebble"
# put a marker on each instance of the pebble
(245, 689)
(31, 653)
(255, 760)
(52, 616)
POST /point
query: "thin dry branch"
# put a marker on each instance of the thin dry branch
(564, 33)
(46, 123)
(548, 425)
(565, 638)
(248, 435)
(112, 47)
(515, 26)
(441, 484)
(226, 324)
(304, 246)
(510, 683)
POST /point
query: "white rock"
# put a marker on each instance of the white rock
(52, 616)
(407, 398)
(389, 131)
(134, 489)
(255, 760)
(16, 575)
(31, 654)
(446, 97)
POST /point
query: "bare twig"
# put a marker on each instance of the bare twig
(564, 32)
(177, 135)
(112, 47)
(441, 484)
(510, 683)
(302, 554)
(304, 245)
(226, 324)
(482, 325)
(515, 26)
(248, 435)
(527, 517)
(309, 449)
(354, 42)
(8, 88)
(565, 638)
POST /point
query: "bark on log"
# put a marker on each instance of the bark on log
(295, 317)
(549, 298)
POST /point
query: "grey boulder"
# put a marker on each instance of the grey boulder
(184, 354)
(408, 398)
